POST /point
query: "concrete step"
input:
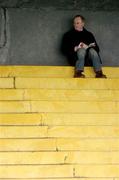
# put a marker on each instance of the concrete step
(59, 119)
(39, 171)
(6, 83)
(60, 83)
(28, 145)
(59, 144)
(53, 126)
(56, 158)
(67, 83)
(69, 179)
(58, 171)
(52, 71)
(59, 131)
(59, 106)
(59, 94)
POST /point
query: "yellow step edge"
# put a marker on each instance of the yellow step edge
(52, 71)
(55, 158)
(67, 83)
(59, 132)
(59, 119)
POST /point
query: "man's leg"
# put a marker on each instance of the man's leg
(93, 55)
(79, 66)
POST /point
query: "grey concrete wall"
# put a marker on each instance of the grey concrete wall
(34, 30)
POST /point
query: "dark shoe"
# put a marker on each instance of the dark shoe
(99, 74)
(78, 74)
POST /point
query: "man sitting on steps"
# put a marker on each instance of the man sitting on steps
(80, 47)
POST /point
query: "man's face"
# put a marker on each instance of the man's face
(78, 24)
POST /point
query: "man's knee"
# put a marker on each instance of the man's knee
(81, 52)
(93, 52)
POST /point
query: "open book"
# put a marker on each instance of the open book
(91, 45)
(83, 45)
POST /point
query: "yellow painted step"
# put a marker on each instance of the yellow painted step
(50, 94)
(14, 106)
(77, 95)
(59, 106)
(11, 94)
(33, 158)
(59, 131)
(40, 71)
(28, 144)
(59, 119)
(71, 179)
(67, 83)
(23, 132)
(52, 71)
(41, 171)
(24, 158)
(6, 83)
(60, 144)
(93, 158)
(75, 107)
(84, 131)
(97, 171)
(21, 119)
(69, 119)
(88, 144)
(58, 171)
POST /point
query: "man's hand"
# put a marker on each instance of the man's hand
(81, 45)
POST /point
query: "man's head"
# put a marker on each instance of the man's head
(78, 22)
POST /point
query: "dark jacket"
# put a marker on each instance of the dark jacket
(71, 39)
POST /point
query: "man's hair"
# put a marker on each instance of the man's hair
(80, 16)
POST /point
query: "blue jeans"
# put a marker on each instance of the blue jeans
(92, 55)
